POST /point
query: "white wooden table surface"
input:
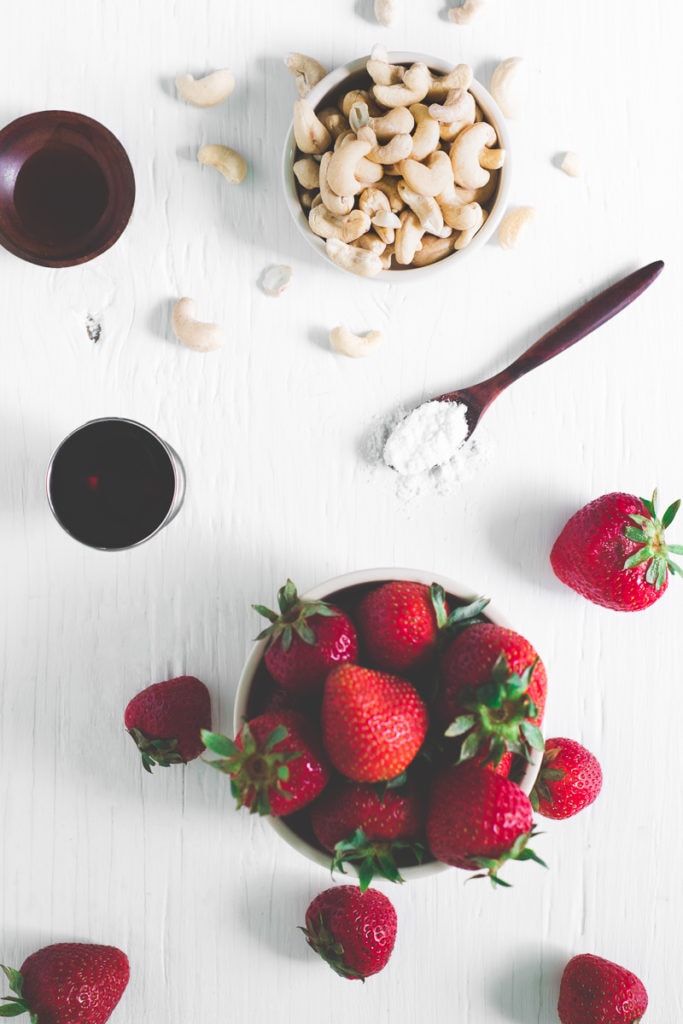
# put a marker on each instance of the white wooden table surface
(205, 900)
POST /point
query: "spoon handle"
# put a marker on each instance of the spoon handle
(577, 325)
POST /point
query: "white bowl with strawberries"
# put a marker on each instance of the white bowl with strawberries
(371, 705)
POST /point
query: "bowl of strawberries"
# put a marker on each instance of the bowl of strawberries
(388, 721)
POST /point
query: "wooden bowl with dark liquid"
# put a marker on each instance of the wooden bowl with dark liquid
(67, 188)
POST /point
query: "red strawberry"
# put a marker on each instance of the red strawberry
(68, 983)
(492, 692)
(569, 780)
(373, 723)
(613, 552)
(363, 828)
(353, 931)
(597, 991)
(305, 640)
(400, 622)
(276, 763)
(166, 721)
(478, 820)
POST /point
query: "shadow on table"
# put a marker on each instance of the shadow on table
(527, 988)
(523, 534)
(272, 914)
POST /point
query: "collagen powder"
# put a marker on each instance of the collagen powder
(427, 437)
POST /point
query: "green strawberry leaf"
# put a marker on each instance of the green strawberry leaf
(670, 513)
(533, 735)
(638, 558)
(15, 979)
(13, 1009)
(219, 744)
(463, 723)
(633, 533)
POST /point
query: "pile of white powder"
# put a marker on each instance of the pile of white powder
(427, 448)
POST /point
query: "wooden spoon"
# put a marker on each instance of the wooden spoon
(476, 399)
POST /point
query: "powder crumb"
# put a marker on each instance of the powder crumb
(93, 328)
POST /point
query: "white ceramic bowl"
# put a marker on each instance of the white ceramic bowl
(354, 76)
(363, 578)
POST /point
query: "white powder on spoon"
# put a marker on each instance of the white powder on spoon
(428, 437)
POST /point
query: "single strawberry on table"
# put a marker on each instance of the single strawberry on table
(478, 820)
(369, 830)
(305, 640)
(597, 991)
(276, 763)
(492, 693)
(373, 723)
(166, 719)
(353, 931)
(67, 983)
(613, 551)
(570, 779)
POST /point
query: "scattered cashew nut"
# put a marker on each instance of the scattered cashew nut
(463, 15)
(228, 161)
(385, 11)
(346, 228)
(207, 91)
(572, 164)
(201, 337)
(307, 71)
(514, 225)
(346, 343)
(509, 83)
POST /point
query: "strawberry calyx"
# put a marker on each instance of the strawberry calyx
(547, 773)
(498, 717)
(16, 1004)
(373, 858)
(255, 770)
(320, 938)
(649, 533)
(518, 851)
(290, 621)
(159, 752)
(450, 623)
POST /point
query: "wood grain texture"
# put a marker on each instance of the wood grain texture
(205, 900)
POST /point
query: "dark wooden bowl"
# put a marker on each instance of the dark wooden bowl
(67, 188)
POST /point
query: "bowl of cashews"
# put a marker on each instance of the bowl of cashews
(397, 161)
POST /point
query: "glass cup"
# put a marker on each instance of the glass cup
(113, 483)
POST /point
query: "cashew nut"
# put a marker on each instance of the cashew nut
(413, 89)
(434, 248)
(338, 205)
(456, 214)
(459, 77)
(458, 110)
(408, 238)
(307, 71)
(359, 116)
(228, 161)
(353, 345)
(207, 91)
(371, 242)
(390, 188)
(381, 71)
(514, 225)
(572, 165)
(425, 208)
(509, 83)
(426, 134)
(466, 236)
(385, 11)
(463, 15)
(310, 133)
(375, 203)
(341, 170)
(359, 96)
(275, 280)
(397, 121)
(334, 121)
(346, 228)
(429, 178)
(396, 149)
(307, 172)
(350, 257)
(467, 154)
(201, 337)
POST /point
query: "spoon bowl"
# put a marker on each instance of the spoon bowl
(470, 403)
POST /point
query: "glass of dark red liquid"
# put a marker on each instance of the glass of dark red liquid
(113, 483)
